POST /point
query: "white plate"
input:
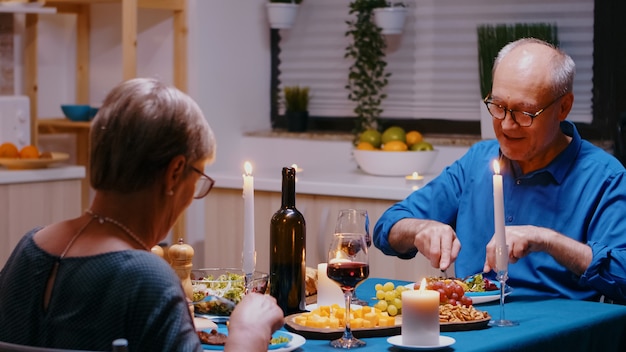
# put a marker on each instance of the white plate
(480, 297)
(444, 341)
(296, 341)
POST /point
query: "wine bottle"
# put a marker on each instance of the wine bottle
(287, 250)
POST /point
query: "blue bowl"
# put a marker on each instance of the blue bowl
(76, 112)
(92, 112)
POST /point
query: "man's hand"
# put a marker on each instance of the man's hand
(435, 240)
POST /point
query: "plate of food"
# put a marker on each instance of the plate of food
(325, 323)
(281, 341)
(45, 159)
(479, 289)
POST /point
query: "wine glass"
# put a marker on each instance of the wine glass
(502, 275)
(354, 221)
(348, 265)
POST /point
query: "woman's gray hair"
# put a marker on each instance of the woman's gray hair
(563, 67)
(142, 125)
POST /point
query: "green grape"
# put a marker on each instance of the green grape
(388, 286)
(390, 295)
(378, 287)
(382, 305)
(392, 310)
(380, 294)
(398, 303)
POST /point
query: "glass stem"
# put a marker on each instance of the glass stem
(502, 287)
(347, 333)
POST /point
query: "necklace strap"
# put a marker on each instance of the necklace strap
(102, 219)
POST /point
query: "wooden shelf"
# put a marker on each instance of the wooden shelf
(82, 10)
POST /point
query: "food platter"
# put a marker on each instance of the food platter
(294, 342)
(331, 334)
(480, 297)
(26, 164)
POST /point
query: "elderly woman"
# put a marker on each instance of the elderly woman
(84, 282)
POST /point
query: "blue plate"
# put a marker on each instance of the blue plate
(224, 330)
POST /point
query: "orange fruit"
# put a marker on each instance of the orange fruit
(394, 133)
(413, 137)
(29, 152)
(9, 150)
(365, 146)
(395, 146)
(372, 137)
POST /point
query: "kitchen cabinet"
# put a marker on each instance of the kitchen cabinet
(26, 205)
(82, 10)
(223, 231)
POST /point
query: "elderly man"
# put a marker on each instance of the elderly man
(564, 199)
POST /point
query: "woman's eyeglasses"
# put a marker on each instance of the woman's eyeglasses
(203, 185)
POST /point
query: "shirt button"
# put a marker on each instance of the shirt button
(509, 219)
(518, 182)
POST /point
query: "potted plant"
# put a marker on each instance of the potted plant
(491, 38)
(391, 17)
(282, 13)
(366, 77)
(296, 101)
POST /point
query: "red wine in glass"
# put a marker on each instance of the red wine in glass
(348, 274)
(348, 266)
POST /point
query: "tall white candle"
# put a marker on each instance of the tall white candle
(498, 219)
(328, 292)
(420, 317)
(249, 253)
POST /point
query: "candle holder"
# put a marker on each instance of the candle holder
(502, 276)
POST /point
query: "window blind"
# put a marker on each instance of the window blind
(434, 62)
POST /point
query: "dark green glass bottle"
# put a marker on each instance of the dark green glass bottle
(287, 250)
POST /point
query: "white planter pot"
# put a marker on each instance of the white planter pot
(390, 19)
(486, 122)
(281, 15)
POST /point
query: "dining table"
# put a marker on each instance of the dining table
(544, 324)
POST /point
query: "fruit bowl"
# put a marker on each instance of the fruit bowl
(386, 163)
(216, 291)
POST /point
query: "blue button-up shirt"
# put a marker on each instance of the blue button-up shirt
(580, 194)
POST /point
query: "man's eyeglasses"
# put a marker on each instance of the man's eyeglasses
(203, 185)
(523, 118)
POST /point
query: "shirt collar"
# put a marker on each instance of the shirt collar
(560, 166)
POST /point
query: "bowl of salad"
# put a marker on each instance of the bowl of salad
(216, 291)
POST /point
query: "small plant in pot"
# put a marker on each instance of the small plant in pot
(391, 17)
(296, 101)
(282, 13)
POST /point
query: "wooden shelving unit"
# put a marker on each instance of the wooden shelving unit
(82, 10)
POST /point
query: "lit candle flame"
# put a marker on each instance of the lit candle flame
(423, 285)
(415, 175)
(248, 168)
(295, 166)
(496, 167)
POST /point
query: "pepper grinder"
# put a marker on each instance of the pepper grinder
(181, 255)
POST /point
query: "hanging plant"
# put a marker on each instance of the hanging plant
(367, 77)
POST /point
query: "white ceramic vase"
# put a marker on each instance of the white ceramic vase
(281, 15)
(390, 19)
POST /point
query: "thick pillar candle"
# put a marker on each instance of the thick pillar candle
(249, 254)
(502, 254)
(420, 317)
(328, 292)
